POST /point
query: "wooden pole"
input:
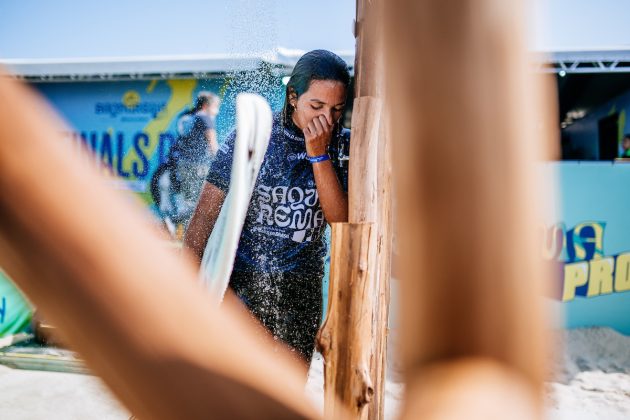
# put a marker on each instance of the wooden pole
(384, 250)
(344, 339)
(363, 176)
(369, 76)
(464, 107)
(87, 257)
(369, 202)
(368, 60)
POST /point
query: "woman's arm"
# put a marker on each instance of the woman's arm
(203, 219)
(332, 197)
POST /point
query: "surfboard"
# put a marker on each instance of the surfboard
(31, 355)
(253, 130)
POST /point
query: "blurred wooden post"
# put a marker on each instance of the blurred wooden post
(466, 108)
(89, 258)
(369, 203)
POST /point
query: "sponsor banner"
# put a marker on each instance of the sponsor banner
(130, 126)
(15, 310)
(590, 243)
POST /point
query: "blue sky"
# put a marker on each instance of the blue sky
(581, 24)
(65, 28)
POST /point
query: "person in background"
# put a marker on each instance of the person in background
(195, 147)
(301, 186)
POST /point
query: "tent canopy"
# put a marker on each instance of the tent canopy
(282, 60)
(152, 67)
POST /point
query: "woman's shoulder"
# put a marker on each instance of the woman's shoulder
(276, 119)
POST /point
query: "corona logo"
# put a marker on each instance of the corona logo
(131, 99)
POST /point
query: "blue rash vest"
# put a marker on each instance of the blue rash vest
(285, 224)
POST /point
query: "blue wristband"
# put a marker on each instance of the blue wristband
(320, 158)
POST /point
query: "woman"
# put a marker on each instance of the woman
(196, 145)
(302, 183)
(177, 183)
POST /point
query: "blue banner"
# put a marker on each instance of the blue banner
(591, 244)
(131, 125)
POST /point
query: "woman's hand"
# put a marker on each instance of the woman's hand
(317, 134)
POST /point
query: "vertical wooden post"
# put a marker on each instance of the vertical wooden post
(369, 202)
(363, 176)
(465, 106)
(345, 339)
(384, 236)
(369, 76)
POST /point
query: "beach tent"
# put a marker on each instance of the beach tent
(198, 66)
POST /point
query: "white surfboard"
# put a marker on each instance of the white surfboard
(253, 130)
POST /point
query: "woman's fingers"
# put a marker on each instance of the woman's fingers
(319, 128)
(314, 131)
(325, 123)
(317, 133)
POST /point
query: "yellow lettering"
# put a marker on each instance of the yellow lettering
(575, 275)
(600, 280)
(622, 273)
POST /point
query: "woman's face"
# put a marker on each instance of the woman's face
(323, 97)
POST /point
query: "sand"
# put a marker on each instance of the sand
(592, 376)
(591, 381)
(35, 395)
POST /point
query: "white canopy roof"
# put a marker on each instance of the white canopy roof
(148, 67)
(605, 60)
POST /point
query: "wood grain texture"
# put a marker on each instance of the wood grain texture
(373, 204)
(466, 111)
(363, 171)
(345, 337)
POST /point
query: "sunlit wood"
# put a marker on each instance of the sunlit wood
(370, 201)
(465, 107)
(87, 257)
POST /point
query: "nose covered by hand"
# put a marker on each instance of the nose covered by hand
(317, 134)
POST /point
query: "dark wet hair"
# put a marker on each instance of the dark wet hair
(204, 97)
(314, 65)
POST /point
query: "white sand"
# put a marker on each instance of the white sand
(315, 389)
(35, 395)
(592, 376)
(592, 381)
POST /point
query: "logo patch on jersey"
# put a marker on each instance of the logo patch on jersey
(292, 157)
(285, 208)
